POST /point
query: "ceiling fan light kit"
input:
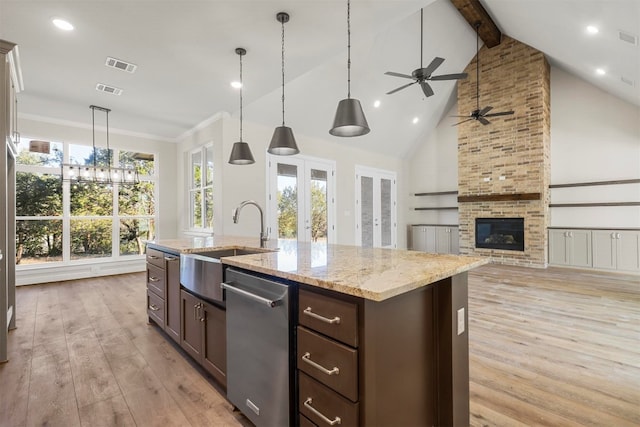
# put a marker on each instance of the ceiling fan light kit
(422, 75)
(349, 120)
(241, 152)
(480, 114)
(283, 143)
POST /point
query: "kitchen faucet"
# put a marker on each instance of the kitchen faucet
(236, 215)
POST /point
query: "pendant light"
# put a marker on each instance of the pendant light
(241, 152)
(283, 143)
(350, 119)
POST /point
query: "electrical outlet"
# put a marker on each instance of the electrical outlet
(461, 321)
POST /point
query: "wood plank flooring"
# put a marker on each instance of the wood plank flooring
(555, 347)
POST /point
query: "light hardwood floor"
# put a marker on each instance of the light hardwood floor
(553, 347)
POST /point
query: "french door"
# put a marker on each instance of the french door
(301, 199)
(376, 223)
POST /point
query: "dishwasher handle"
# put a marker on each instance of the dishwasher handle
(230, 287)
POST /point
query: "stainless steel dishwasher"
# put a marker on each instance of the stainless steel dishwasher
(259, 339)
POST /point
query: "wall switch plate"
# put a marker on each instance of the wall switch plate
(461, 321)
(486, 179)
(502, 177)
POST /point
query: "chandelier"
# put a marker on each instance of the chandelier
(103, 171)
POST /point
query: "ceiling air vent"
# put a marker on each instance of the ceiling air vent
(120, 65)
(628, 37)
(625, 80)
(108, 89)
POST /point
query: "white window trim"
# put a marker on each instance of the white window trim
(191, 229)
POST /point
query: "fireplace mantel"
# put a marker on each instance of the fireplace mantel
(498, 197)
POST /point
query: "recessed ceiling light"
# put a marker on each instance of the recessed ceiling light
(415, 120)
(600, 72)
(62, 24)
(376, 104)
(592, 30)
(236, 85)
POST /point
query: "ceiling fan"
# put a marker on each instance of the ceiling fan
(478, 114)
(422, 75)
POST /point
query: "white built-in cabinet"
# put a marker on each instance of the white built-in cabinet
(617, 250)
(441, 239)
(570, 247)
(595, 248)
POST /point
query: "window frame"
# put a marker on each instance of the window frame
(206, 153)
(116, 218)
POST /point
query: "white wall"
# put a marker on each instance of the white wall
(237, 183)
(434, 168)
(594, 137)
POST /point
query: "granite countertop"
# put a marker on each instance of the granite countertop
(213, 243)
(371, 273)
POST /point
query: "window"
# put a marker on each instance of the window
(201, 188)
(61, 221)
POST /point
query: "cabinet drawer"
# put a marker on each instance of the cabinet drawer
(155, 307)
(329, 362)
(155, 280)
(155, 257)
(323, 405)
(305, 422)
(330, 316)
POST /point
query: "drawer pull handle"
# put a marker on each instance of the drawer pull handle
(170, 258)
(153, 279)
(153, 257)
(153, 307)
(334, 321)
(336, 420)
(307, 358)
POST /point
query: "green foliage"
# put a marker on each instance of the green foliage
(288, 213)
(318, 211)
(90, 238)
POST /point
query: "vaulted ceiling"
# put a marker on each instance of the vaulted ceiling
(184, 51)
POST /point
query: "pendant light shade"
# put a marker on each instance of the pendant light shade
(283, 143)
(241, 152)
(349, 120)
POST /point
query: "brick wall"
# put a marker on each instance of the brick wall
(513, 76)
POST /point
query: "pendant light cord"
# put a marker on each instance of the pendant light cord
(348, 49)
(241, 84)
(421, 37)
(93, 134)
(282, 22)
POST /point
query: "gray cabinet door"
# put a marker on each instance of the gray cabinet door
(443, 240)
(418, 238)
(172, 297)
(214, 356)
(604, 249)
(628, 250)
(558, 247)
(191, 328)
(455, 240)
(580, 248)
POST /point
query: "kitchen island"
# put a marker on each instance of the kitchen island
(390, 324)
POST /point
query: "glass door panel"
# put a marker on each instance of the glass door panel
(375, 208)
(287, 198)
(366, 211)
(386, 222)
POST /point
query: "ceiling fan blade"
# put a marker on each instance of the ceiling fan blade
(464, 121)
(432, 67)
(405, 76)
(426, 88)
(485, 110)
(400, 88)
(458, 76)
(483, 121)
(502, 113)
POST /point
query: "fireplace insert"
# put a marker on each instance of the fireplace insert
(500, 233)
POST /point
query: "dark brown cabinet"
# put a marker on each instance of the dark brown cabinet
(204, 334)
(163, 291)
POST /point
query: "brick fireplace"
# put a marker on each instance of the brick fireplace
(504, 167)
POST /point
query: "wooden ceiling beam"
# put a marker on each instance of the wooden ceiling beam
(473, 12)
